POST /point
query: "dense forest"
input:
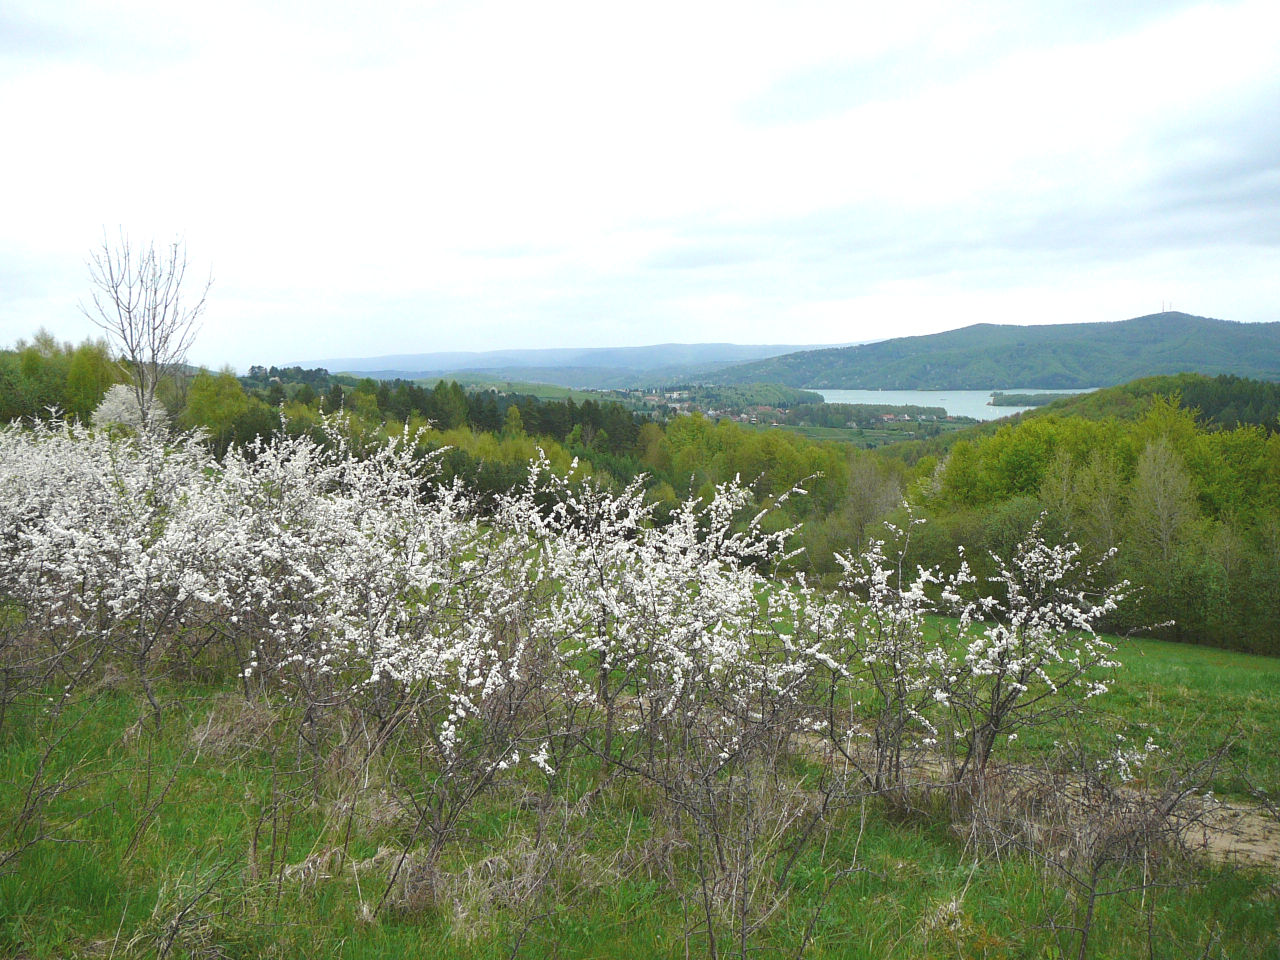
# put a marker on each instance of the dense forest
(1180, 474)
(1001, 399)
(1194, 513)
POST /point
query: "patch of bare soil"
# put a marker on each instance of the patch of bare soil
(1234, 832)
(1227, 831)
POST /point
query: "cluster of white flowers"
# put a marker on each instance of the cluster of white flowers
(1021, 651)
(1034, 653)
(120, 407)
(662, 627)
(100, 535)
(1126, 758)
(888, 681)
(346, 578)
(362, 581)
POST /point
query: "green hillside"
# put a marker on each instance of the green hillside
(1220, 402)
(1055, 356)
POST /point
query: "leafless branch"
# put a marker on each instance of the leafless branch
(139, 302)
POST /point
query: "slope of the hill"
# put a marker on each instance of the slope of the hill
(1063, 356)
(1220, 402)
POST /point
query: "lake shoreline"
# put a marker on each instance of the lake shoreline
(958, 403)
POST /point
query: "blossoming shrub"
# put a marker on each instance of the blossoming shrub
(561, 636)
(1031, 653)
(886, 681)
(341, 576)
(104, 541)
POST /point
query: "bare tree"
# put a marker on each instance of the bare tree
(138, 299)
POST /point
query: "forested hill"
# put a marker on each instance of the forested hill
(985, 356)
(1220, 403)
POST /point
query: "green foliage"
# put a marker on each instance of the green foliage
(1220, 402)
(214, 402)
(44, 374)
(513, 423)
(90, 373)
(1192, 511)
(739, 396)
(219, 406)
(1001, 399)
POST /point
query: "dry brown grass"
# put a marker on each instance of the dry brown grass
(234, 726)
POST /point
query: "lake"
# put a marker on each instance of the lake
(958, 403)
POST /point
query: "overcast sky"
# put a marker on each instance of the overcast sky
(408, 177)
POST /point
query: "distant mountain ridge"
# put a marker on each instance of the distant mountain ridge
(578, 378)
(1052, 356)
(562, 364)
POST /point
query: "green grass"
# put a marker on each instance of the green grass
(194, 810)
(1203, 697)
(1190, 700)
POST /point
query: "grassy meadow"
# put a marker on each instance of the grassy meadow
(205, 836)
(1192, 700)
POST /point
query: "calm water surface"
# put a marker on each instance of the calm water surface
(958, 403)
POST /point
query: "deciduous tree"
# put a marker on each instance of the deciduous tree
(139, 301)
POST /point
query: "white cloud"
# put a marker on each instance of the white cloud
(406, 177)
